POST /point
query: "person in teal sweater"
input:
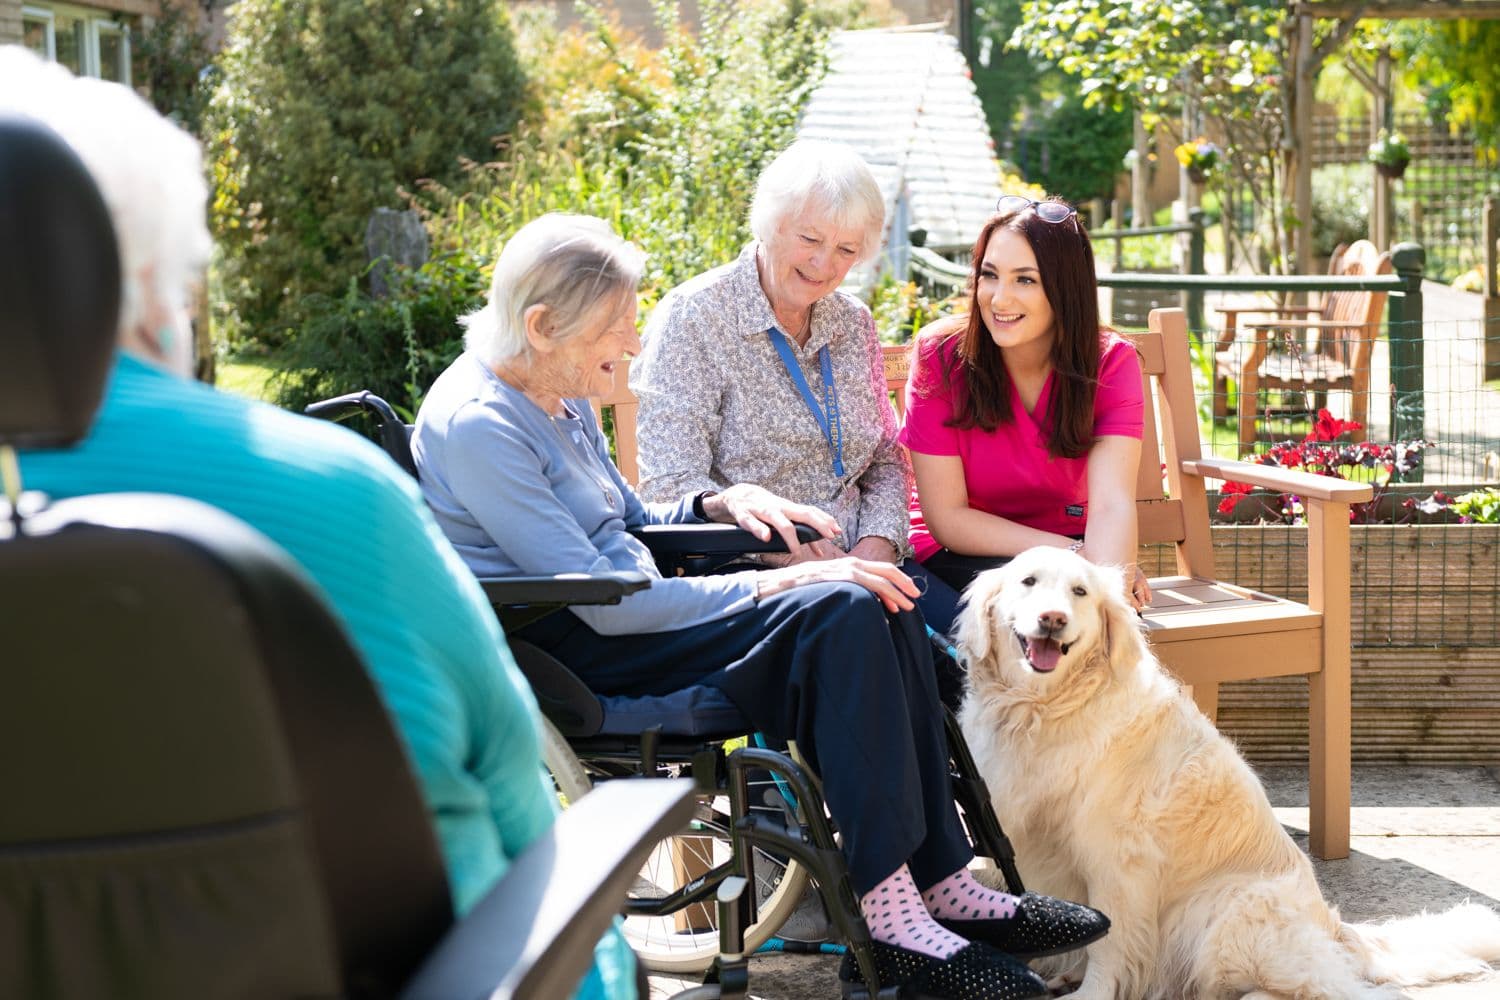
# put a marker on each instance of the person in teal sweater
(335, 503)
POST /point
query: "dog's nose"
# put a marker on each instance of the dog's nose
(1052, 621)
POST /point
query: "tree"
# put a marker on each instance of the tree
(1008, 80)
(1249, 65)
(328, 109)
(1458, 64)
(1073, 150)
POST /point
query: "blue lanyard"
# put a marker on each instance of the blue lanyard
(826, 415)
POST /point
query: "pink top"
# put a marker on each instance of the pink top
(1008, 471)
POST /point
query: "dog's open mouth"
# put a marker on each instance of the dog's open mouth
(1042, 653)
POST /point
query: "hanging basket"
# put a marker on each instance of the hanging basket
(1197, 175)
(1391, 170)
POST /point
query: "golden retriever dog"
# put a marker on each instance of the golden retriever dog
(1118, 792)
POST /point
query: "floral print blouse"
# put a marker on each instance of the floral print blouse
(718, 407)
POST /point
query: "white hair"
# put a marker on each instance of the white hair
(572, 264)
(149, 171)
(825, 178)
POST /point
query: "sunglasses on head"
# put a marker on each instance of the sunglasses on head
(1047, 211)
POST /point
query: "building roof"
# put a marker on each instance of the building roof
(903, 98)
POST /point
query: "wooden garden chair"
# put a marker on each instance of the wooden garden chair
(1318, 350)
(1206, 630)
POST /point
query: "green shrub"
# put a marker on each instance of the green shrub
(326, 110)
(1075, 151)
(665, 146)
(1341, 206)
(394, 346)
(170, 54)
(1480, 506)
(901, 309)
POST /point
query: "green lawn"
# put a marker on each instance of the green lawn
(246, 377)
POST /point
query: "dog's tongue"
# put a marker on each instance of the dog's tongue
(1043, 654)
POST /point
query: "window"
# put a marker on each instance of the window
(88, 42)
(112, 51)
(36, 32)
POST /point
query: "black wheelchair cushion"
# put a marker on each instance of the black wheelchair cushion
(59, 289)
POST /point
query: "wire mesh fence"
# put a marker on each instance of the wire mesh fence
(1424, 570)
(1438, 199)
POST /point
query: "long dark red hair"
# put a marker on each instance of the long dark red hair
(975, 373)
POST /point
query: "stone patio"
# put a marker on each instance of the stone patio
(1423, 838)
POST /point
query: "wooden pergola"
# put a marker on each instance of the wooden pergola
(1307, 57)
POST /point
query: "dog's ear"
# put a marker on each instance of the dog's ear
(1119, 623)
(974, 631)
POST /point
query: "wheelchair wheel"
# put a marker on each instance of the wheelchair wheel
(686, 941)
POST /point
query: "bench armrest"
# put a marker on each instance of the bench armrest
(1281, 310)
(1307, 324)
(533, 935)
(564, 588)
(1307, 485)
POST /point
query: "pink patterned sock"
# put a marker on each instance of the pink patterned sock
(895, 914)
(960, 897)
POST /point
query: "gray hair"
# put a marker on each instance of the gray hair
(812, 176)
(149, 171)
(568, 263)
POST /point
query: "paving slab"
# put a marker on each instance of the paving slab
(1424, 838)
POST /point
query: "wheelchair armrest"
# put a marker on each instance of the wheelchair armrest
(533, 935)
(392, 433)
(564, 588)
(363, 401)
(692, 549)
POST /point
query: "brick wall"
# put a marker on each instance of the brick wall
(10, 21)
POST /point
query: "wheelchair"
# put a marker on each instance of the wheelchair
(678, 919)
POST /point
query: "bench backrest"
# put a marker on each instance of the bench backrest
(1178, 515)
(1357, 312)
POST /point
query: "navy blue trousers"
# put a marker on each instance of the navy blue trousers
(827, 666)
(939, 607)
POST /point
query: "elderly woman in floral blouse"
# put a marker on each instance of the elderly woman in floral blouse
(762, 371)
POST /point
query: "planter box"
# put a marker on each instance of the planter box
(1425, 603)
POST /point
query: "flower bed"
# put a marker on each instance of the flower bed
(1321, 452)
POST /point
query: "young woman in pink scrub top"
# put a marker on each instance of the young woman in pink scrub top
(1024, 417)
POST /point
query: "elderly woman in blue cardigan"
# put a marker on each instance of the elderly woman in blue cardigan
(827, 652)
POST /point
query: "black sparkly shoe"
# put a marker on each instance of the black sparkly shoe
(1041, 926)
(975, 972)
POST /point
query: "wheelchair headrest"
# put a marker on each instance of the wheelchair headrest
(59, 289)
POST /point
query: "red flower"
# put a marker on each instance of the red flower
(1232, 492)
(1328, 427)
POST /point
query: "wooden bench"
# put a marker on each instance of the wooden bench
(1337, 358)
(1206, 630)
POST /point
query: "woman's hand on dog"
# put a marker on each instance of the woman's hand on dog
(1139, 589)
